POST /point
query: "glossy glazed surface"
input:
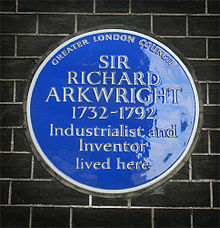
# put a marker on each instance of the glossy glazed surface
(112, 111)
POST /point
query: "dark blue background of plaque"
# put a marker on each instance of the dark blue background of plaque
(62, 151)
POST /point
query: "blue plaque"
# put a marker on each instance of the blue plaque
(112, 112)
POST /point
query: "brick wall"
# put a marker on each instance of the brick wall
(30, 197)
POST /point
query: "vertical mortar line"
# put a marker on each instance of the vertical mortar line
(12, 139)
(16, 6)
(14, 91)
(187, 25)
(211, 194)
(129, 7)
(190, 169)
(9, 192)
(209, 142)
(206, 6)
(71, 217)
(94, 6)
(152, 218)
(191, 218)
(151, 23)
(207, 92)
(90, 200)
(30, 218)
(32, 167)
(16, 43)
(129, 203)
(206, 48)
(37, 23)
(75, 25)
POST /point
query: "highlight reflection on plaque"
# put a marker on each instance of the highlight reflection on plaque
(112, 112)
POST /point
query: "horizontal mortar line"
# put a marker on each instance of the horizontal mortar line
(18, 34)
(21, 126)
(142, 207)
(141, 14)
(97, 13)
(26, 179)
(113, 14)
(203, 59)
(13, 80)
(14, 152)
(177, 37)
(207, 14)
(208, 36)
(27, 152)
(175, 14)
(25, 80)
(215, 82)
(38, 57)
(213, 59)
(34, 13)
(211, 105)
(191, 37)
(18, 127)
(11, 127)
(10, 103)
(39, 205)
(67, 34)
(107, 207)
(54, 34)
(195, 181)
(186, 14)
(211, 129)
(206, 154)
(20, 57)
(36, 34)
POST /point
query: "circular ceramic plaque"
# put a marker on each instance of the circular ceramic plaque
(112, 112)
